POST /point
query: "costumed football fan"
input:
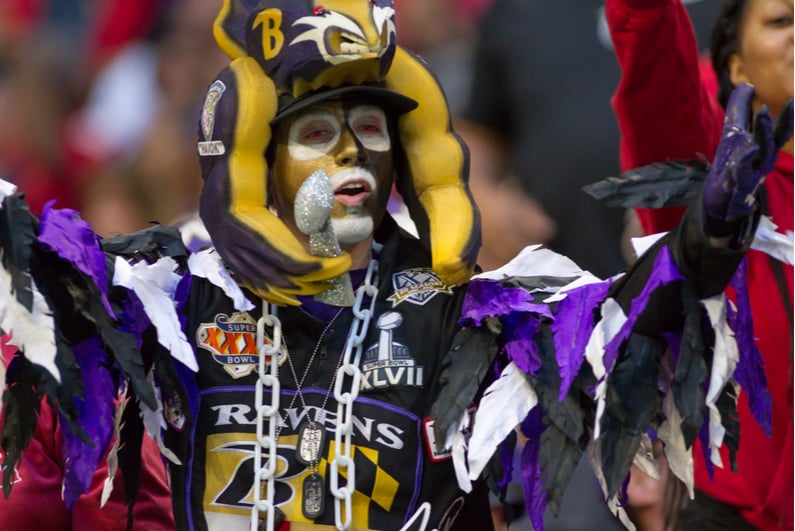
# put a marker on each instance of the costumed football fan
(319, 368)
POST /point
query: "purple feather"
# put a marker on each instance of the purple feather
(96, 410)
(487, 298)
(750, 370)
(532, 481)
(574, 322)
(521, 347)
(674, 340)
(181, 297)
(623, 498)
(134, 318)
(703, 437)
(664, 271)
(72, 239)
(506, 459)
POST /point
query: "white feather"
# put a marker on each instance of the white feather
(7, 189)
(724, 361)
(32, 332)
(562, 293)
(643, 243)
(207, 264)
(504, 405)
(533, 259)
(768, 240)
(113, 453)
(593, 451)
(679, 456)
(644, 458)
(155, 423)
(612, 320)
(155, 284)
(456, 440)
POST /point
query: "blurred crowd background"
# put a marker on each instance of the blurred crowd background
(99, 102)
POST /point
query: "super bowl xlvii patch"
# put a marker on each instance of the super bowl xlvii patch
(388, 363)
(232, 342)
(209, 147)
(417, 286)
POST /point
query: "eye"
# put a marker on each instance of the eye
(317, 132)
(369, 127)
(778, 15)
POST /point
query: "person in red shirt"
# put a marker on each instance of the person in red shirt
(37, 502)
(666, 112)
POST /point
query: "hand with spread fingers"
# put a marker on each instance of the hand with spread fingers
(746, 153)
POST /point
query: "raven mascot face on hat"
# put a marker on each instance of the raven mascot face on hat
(287, 55)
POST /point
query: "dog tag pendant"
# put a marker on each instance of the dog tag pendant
(313, 500)
(310, 443)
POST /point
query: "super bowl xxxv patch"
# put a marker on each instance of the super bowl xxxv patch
(232, 341)
(417, 286)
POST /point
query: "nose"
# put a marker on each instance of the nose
(349, 151)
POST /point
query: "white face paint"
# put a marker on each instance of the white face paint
(313, 135)
(316, 133)
(356, 224)
(368, 123)
(353, 228)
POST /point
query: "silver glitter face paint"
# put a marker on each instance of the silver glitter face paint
(313, 203)
(312, 211)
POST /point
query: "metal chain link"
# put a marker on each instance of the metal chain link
(269, 377)
(268, 371)
(351, 358)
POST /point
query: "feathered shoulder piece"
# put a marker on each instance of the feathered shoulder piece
(75, 312)
(580, 365)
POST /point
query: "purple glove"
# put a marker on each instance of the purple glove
(742, 160)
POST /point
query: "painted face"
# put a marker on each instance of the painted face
(352, 144)
(764, 58)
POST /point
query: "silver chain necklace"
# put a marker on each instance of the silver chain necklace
(265, 451)
(311, 434)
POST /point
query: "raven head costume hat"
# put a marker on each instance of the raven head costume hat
(287, 55)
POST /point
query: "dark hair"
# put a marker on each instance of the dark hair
(725, 42)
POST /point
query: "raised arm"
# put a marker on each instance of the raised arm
(546, 319)
(663, 106)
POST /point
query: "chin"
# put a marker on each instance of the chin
(350, 230)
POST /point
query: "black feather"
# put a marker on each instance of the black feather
(691, 369)
(132, 433)
(727, 407)
(657, 185)
(571, 413)
(149, 244)
(18, 231)
(464, 368)
(566, 435)
(22, 402)
(558, 457)
(631, 402)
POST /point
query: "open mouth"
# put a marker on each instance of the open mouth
(353, 193)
